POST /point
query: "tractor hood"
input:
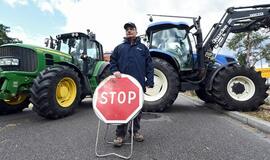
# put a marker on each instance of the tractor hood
(40, 49)
(154, 27)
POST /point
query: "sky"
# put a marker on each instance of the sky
(34, 20)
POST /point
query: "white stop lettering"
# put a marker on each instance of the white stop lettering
(120, 97)
(123, 97)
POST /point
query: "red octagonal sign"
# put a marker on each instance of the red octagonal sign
(118, 100)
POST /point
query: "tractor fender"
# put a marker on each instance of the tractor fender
(84, 79)
(209, 84)
(167, 56)
(72, 66)
(103, 67)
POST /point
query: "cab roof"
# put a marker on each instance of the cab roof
(72, 34)
(164, 25)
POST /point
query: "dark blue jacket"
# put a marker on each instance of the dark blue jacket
(134, 60)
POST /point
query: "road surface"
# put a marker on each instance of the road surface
(188, 130)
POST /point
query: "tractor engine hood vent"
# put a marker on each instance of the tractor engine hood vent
(26, 59)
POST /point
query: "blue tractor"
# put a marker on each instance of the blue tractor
(217, 79)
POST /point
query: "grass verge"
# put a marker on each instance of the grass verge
(262, 113)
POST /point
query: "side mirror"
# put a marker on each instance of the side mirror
(52, 44)
(46, 42)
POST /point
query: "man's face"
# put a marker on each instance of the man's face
(131, 33)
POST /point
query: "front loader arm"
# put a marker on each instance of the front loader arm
(236, 20)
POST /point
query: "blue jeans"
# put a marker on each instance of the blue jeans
(121, 130)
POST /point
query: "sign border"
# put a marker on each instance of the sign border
(99, 114)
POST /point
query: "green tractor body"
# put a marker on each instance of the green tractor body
(54, 80)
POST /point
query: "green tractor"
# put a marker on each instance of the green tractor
(53, 80)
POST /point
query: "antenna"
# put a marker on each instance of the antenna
(170, 16)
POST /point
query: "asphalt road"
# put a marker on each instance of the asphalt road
(188, 130)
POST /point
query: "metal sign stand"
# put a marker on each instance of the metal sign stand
(109, 142)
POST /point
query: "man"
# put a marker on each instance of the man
(132, 57)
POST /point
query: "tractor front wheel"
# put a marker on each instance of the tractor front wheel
(56, 92)
(14, 105)
(239, 88)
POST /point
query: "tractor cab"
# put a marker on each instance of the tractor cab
(83, 48)
(171, 40)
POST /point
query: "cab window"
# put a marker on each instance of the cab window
(171, 40)
(92, 49)
(176, 42)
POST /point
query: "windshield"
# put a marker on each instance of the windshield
(171, 40)
(176, 42)
(74, 47)
(70, 45)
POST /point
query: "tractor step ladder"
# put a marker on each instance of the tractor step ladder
(110, 142)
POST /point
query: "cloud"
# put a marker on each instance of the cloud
(106, 18)
(27, 38)
(12, 3)
(45, 6)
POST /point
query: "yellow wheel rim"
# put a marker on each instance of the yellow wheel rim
(16, 100)
(66, 92)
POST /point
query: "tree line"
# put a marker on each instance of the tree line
(251, 47)
(4, 38)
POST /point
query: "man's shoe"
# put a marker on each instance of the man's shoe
(138, 137)
(118, 141)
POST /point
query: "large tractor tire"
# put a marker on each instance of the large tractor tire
(203, 95)
(165, 89)
(56, 92)
(239, 88)
(14, 105)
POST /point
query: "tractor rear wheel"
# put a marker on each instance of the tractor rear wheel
(14, 105)
(56, 92)
(239, 88)
(166, 87)
(203, 95)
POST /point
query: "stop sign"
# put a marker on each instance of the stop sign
(118, 100)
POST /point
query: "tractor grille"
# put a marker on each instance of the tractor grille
(27, 57)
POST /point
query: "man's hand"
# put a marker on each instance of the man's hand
(147, 87)
(117, 74)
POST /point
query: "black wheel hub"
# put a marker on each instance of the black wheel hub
(238, 88)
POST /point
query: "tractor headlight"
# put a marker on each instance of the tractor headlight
(9, 61)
